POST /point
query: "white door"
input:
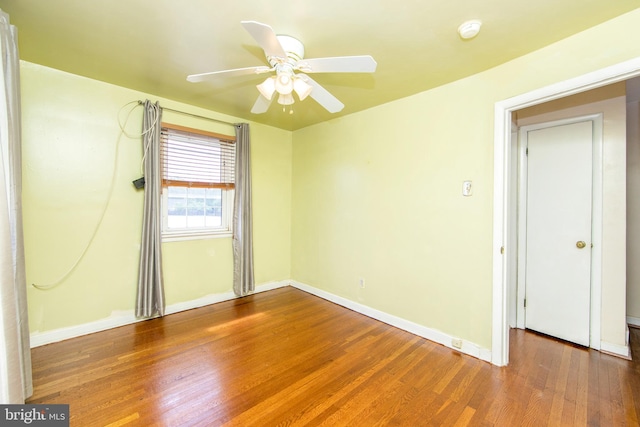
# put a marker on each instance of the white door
(558, 230)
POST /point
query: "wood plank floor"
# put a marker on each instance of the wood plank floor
(287, 358)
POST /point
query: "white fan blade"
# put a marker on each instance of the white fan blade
(266, 38)
(261, 105)
(322, 96)
(226, 73)
(339, 64)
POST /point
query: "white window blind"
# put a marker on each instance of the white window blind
(194, 158)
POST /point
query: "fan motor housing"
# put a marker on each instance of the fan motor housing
(292, 46)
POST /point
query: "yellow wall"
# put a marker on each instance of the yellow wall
(377, 194)
(70, 136)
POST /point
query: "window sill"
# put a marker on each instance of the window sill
(182, 235)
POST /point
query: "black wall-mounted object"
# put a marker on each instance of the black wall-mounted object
(139, 183)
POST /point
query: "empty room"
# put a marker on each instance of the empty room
(320, 213)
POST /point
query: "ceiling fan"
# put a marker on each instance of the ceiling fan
(285, 56)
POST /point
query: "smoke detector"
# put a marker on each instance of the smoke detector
(469, 29)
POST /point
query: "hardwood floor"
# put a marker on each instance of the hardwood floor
(287, 358)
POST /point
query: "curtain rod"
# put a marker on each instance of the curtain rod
(193, 115)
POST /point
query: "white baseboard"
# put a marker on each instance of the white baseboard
(623, 351)
(121, 318)
(126, 317)
(398, 322)
(633, 321)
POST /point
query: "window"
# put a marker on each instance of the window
(198, 170)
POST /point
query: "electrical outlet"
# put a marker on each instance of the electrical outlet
(456, 343)
(361, 281)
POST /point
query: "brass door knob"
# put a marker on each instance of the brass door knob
(580, 244)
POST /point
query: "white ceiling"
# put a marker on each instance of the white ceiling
(152, 45)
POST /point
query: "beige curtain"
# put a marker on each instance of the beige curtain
(150, 299)
(243, 280)
(15, 352)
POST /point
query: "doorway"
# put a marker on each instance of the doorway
(504, 225)
(559, 174)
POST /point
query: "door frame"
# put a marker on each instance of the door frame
(504, 224)
(596, 221)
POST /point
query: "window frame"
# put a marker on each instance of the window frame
(227, 200)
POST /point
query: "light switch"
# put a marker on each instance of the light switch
(466, 188)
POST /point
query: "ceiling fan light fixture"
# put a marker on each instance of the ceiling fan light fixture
(267, 87)
(284, 83)
(285, 99)
(302, 88)
(285, 56)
